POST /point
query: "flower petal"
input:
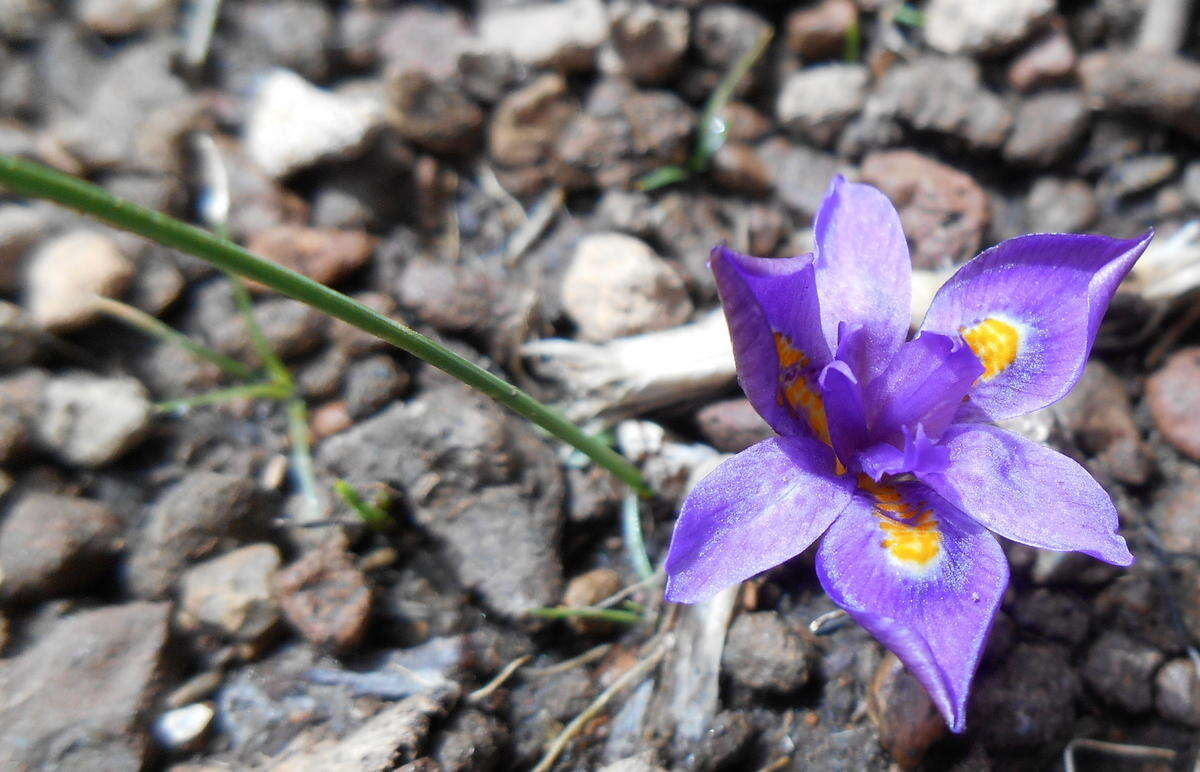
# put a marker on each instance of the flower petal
(923, 384)
(843, 401)
(1030, 308)
(926, 586)
(774, 322)
(756, 510)
(1028, 493)
(863, 271)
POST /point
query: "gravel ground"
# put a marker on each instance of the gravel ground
(171, 598)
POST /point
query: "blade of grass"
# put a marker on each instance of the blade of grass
(302, 461)
(587, 612)
(371, 514)
(712, 129)
(269, 390)
(631, 535)
(262, 346)
(28, 178)
(139, 319)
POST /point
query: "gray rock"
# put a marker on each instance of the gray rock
(954, 27)
(732, 425)
(231, 594)
(293, 34)
(196, 517)
(136, 113)
(1099, 417)
(562, 35)
(1026, 703)
(371, 383)
(1177, 692)
(1053, 615)
(471, 740)
(76, 698)
(1135, 175)
(800, 174)
(477, 479)
(763, 653)
(294, 125)
(454, 298)
(53, 545)
(24, 20)
(20, 339)
(1121, 671)
(649, 39)
(14, 428)
(616, 286)
(67, 272)
(91, 421)
(429, 39)
(904, 716)
(21, 226)
(1175, 512)
(1046, 127)
(724, 32)
(1057, 205)
(946, 96)
(815, 103)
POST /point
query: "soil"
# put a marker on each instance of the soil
(170, 597)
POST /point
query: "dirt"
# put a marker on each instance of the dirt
(171, 598)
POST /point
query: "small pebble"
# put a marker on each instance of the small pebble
(91, 421)
(67, 272)
(183, 729)
(904, 716)
(1174, 401)
(764, 654)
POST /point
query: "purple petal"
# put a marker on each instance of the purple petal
(1030, 307)
(844, 410)
(1028, 493)
(863, 270)
(923, 384)
(920, 455)
(927, 586)
(774, 322)
(756, 510)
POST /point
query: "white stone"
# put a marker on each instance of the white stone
(981, 26)
(89, 421)
(617, 286)
(293, 124)
(67, 272)
(564, 34)
(182, 728)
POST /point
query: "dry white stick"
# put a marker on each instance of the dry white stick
(1164, 26)
(692, 683)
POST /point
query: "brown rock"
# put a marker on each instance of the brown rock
(904, 716)
(329, 419)
(649, 39)
(587, 589)
(739, 169)
(325, 598)
(232, 593)
(1176, 511)
(1175, 401)
(744, 123)
(66, 272)
(433, 114)
(77, 697)
(732, 425)
(820, 32)
(763, 653)
(1163, 87)
(326, 256)
(454, 298)
(943, 210)
(1047, 60)
(527, 122)
(51, 545)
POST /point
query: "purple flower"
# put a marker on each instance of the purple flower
(885, 445)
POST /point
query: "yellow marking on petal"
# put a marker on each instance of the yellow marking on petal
(788, 354)
(911, 535)
(996, 343)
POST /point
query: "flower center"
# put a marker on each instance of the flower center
(996, 343)
(911, 536)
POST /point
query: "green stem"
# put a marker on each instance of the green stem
(135, 317)
(302, 460)
(631, 535)
(262, 346)
(587, 612)
(371, 514)
(31, 179)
